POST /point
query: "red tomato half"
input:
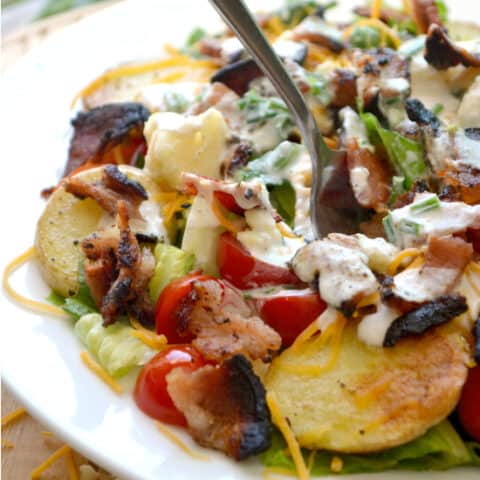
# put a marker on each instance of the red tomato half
(469, 406)
(228, 202)
(291, 313)
(151, 393)
(169, 302)
(244, 271)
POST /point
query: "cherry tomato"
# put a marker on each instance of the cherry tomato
(228, 201)
(290, 313)
(244, 271)
(169, 302)
(151, 394)
(469, 405)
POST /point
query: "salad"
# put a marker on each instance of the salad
(179, 241)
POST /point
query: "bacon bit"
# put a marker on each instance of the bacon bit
(425, 13)
(463, 182)
(379, 177)
(235, 419)
(102, 128)
(442, 54)
(344, 85)
(223, 324)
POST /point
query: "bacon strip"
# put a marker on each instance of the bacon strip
(441, 53)
(224, 405)
(426, 13)
(101, 128)
(223, 324)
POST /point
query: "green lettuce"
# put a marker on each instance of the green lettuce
(79, 304)
(405, 155)
(170, 263)
(439, 449)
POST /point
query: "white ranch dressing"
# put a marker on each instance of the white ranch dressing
(343, 272)
(449, 218)
(373, 327)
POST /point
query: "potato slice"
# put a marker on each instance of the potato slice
(370, 398)
(65, 221)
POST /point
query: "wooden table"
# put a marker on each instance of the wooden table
(25, 443)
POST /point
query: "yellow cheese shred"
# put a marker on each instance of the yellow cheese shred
(91, 364)
(157, 342)
(409, 253)
(142, 68)
(71, 466)
(282, 424)
(62, 451)
(13, 416)
(179, 443)
(376, 7)
(37, 307)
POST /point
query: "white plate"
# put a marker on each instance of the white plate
(40, 355)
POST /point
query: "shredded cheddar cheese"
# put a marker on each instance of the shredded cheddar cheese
(174, 205)
(71, 467)
(282, 424)
(33, 305)
(336, 465)
(366, 397)
(62, 451)
(13, 416)
(409, 253)
(233, 226)
(177, 441)
(376, 7)
(128, 70)
(91, 364)
(285, 231)
(157, 342)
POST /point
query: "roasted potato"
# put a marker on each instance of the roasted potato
(370, 398)
(65, 221)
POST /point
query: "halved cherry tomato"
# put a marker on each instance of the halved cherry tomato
(228, 201)
(469, 406)
(151, 394)
(169, 302)
(291, 312)
(244, 271)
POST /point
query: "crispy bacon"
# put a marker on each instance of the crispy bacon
(100, 129)
(441, 53)
(448, 252)
(379, 177)
(311, 30)
(344, 85)
(238, 75)
(426, 316)
(417, 112)
(224, 405)
(426, 13)
(117, 271)
(223, 324)
(377, 66)
(463, 182)
(240, 156)
(107, 192)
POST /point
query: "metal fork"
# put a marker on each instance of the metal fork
(325, 219)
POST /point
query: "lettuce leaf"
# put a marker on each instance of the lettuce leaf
(79, 304)
(439, 449)
(117, 350)
(170, 263)
(405, 155)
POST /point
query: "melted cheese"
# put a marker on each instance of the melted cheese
(343, 272)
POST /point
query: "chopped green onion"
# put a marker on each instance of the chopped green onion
(409, 226)
(398, 188)
(365, 37)
(437, 109)
(431, 203)
(389, 228)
